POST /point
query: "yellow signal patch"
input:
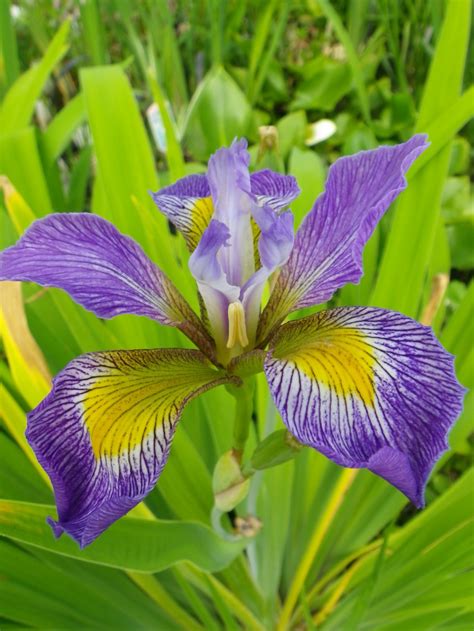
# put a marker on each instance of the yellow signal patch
(120, 415)
(341, 359)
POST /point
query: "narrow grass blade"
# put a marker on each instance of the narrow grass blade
(268, 55)
(20, 161)
(158, 594)
(93, 32)
(49, 591)
(195, 602)
(29, 370)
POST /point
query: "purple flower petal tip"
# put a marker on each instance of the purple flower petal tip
(327, 253)
(55, 526)
(102, 269)
(395, 467)
(104, 432)
(368, 388)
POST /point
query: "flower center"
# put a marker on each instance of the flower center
(237, 326)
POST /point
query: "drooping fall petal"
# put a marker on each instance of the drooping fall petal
(367, 388)
(327, 253)
(104, 432)
(102, 269)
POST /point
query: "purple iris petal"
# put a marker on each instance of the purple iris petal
(274, 189)
(102, 269)
(104, 432)
(367, 388)
(229, 181)
(223, 262)
(206, 267)
(195, 186)
(274, 246)
(188, 205)
(181, 202)
(328, 246)
(203, 262)
(276, 236)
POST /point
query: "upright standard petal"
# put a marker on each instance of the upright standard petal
(188, 203)
(328, 246)
(102, 269)
(229, 180)
(273, 189)
(367, 388)
(235, 250)
(230, 307)
(103, 434)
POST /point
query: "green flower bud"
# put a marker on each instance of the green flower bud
(229, 485)
(276, 448)
(269, 149)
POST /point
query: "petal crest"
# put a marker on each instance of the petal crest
(102, 269)
(367, 388)
(328, 246)
(104, 432)
(216, 291)
(275, 242)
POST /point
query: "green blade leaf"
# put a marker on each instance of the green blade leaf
(353, 58)
(20, 100)
(131, 544)
(9, 62)
(408, 250)
(47, 591)
(20, 161)
(59, 132)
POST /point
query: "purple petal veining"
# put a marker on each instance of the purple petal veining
(328, 246)
(102, 269)
(104, 432)
(367, 388)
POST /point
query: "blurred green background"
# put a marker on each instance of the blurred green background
(103, 100)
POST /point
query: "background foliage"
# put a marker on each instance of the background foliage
(76, 80)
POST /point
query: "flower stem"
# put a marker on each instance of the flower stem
(243, 415)
(317, 537)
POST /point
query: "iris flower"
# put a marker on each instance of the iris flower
(365, 386)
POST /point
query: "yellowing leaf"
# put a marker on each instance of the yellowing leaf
(20, 213)
(27, 364)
